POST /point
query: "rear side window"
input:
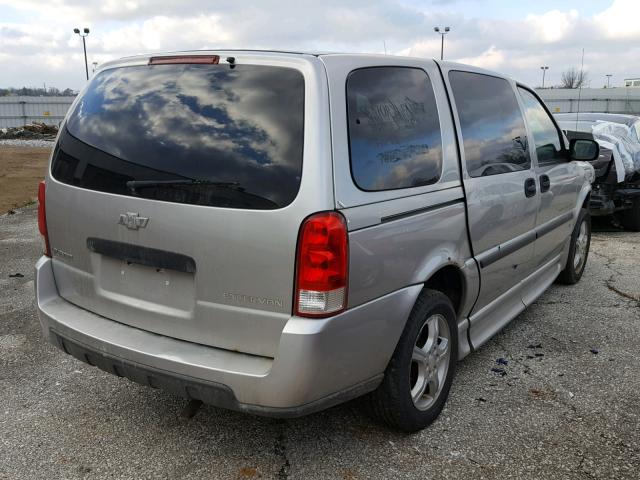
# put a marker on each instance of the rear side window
(198, 134)
(394, 130)
(492, 127)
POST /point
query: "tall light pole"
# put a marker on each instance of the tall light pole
(85, 32)
(442, 34)
(544, 71)
(608, 75)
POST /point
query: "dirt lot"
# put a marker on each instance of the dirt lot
(21, 168)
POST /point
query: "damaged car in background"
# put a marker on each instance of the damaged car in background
(616, 189)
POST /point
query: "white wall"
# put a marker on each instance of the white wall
(18, 111)
(609, 100)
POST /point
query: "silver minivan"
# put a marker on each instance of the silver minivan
(278, 232)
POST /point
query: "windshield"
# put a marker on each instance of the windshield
(191, 130)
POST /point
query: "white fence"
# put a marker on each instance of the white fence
(19, 111)
(601, 100)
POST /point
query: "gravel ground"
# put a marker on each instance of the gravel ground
(568, 406)
(28, 143)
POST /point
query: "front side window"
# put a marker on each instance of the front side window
(394, 130)
(492, 127)
(545, 134)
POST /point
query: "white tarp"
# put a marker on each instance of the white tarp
(624, 143)
(617, 159)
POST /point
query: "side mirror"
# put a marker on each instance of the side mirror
(584, 149)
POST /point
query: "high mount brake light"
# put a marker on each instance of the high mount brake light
(176, 59)
(322, 266)
(42, 218)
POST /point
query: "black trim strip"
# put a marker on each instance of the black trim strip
(500, 251)
(507, 248)
(553, 224)
(150, 257)
(417, 211)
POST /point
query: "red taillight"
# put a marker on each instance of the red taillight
(42, 218)
(322, 261)
(210, 59)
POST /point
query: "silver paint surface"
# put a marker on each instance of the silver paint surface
(231, 322)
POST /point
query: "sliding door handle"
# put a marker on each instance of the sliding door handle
(530, 187)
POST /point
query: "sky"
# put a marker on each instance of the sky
(38, 46)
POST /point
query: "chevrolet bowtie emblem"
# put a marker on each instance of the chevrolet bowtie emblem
(132, 221)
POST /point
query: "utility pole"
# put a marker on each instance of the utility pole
(442, 34)
(85, 32)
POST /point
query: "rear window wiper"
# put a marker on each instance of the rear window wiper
(133, 185)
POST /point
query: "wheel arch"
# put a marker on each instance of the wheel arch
(461, 284)
(587, 199)
(449, 280)
(583, 200)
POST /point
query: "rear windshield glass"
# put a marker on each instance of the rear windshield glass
(198, 134)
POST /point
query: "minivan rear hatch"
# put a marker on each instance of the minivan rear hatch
(174, 198)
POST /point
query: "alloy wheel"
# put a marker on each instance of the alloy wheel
(580, 253)
(430, 361)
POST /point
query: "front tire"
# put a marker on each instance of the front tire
(418, 378)
(578, 250)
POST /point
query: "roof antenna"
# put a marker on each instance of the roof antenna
(581, 80)
(385, 46)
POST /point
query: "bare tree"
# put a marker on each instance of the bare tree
(573, 78)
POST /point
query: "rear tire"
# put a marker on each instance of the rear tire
(578, 250)
(418, 378)
(630, 219)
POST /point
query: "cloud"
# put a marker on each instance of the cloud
(33, 45)
(165, 33)
(552, 26)
(491, 59)
(620, 20)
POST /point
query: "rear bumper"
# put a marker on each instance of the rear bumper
(319, 362)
